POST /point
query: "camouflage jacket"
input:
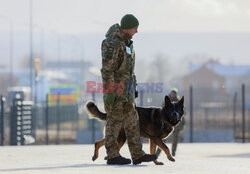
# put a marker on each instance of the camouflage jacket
(118, 61)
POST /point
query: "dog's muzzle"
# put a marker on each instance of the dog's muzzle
(175, 114)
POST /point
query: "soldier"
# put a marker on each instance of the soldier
(118, 61)
(173, 95)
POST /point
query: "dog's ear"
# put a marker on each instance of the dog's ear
(167, 101)
(182, 100)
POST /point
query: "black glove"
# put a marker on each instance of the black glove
(136, 93)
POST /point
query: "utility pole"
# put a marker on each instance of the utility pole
(31, 49)
(10, 49)
(59, 52)
(11, 54)
(191, 113)
(243, 113)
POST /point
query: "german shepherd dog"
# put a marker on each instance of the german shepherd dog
(155, 124)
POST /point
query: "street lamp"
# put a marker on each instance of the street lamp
(37, 66)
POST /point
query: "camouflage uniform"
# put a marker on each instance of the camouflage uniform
(118, 61)
(177, 129)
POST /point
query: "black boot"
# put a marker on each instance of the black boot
(119, 160)
(145, 158)
(173, 153)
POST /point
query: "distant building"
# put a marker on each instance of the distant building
(234, 75)
(65, 72)
(213, 81)
(204, 77)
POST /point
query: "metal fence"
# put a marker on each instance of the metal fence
(217, 116)
(47, 124)
(211, 115)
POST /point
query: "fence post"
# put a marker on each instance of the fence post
(2, 120)
(93, 122)
(234, 112)
(21, 125)
(243, 113)
(35, 115)
(206, 117)
(141, 97)
(12, 123)
(58, 120)
(47, 119)
(191, 114)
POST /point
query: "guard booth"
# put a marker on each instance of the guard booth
(21, 129)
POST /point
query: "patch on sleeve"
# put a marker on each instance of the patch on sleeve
(110, 52)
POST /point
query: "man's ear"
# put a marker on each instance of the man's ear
(182, 100)
(167, 101)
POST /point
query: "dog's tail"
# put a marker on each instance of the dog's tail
(93, 111)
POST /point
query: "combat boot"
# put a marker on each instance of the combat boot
(119, 160)
(145, 158)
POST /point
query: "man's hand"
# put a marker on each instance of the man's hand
(110, 99)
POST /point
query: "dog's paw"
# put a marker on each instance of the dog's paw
(94, 158)
(158, 163)
(171, 159)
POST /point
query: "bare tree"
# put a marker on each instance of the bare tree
(159, 68)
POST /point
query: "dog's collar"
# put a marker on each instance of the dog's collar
(162, 125)
(162, 122)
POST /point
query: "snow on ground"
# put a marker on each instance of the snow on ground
(225, 158)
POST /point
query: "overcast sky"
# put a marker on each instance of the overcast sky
(175, 28)
(77, 16)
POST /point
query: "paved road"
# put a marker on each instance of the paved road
(230, 158)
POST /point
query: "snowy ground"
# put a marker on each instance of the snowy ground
(191, 158)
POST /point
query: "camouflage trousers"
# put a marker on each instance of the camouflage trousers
(175, 141)
(122, 114)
